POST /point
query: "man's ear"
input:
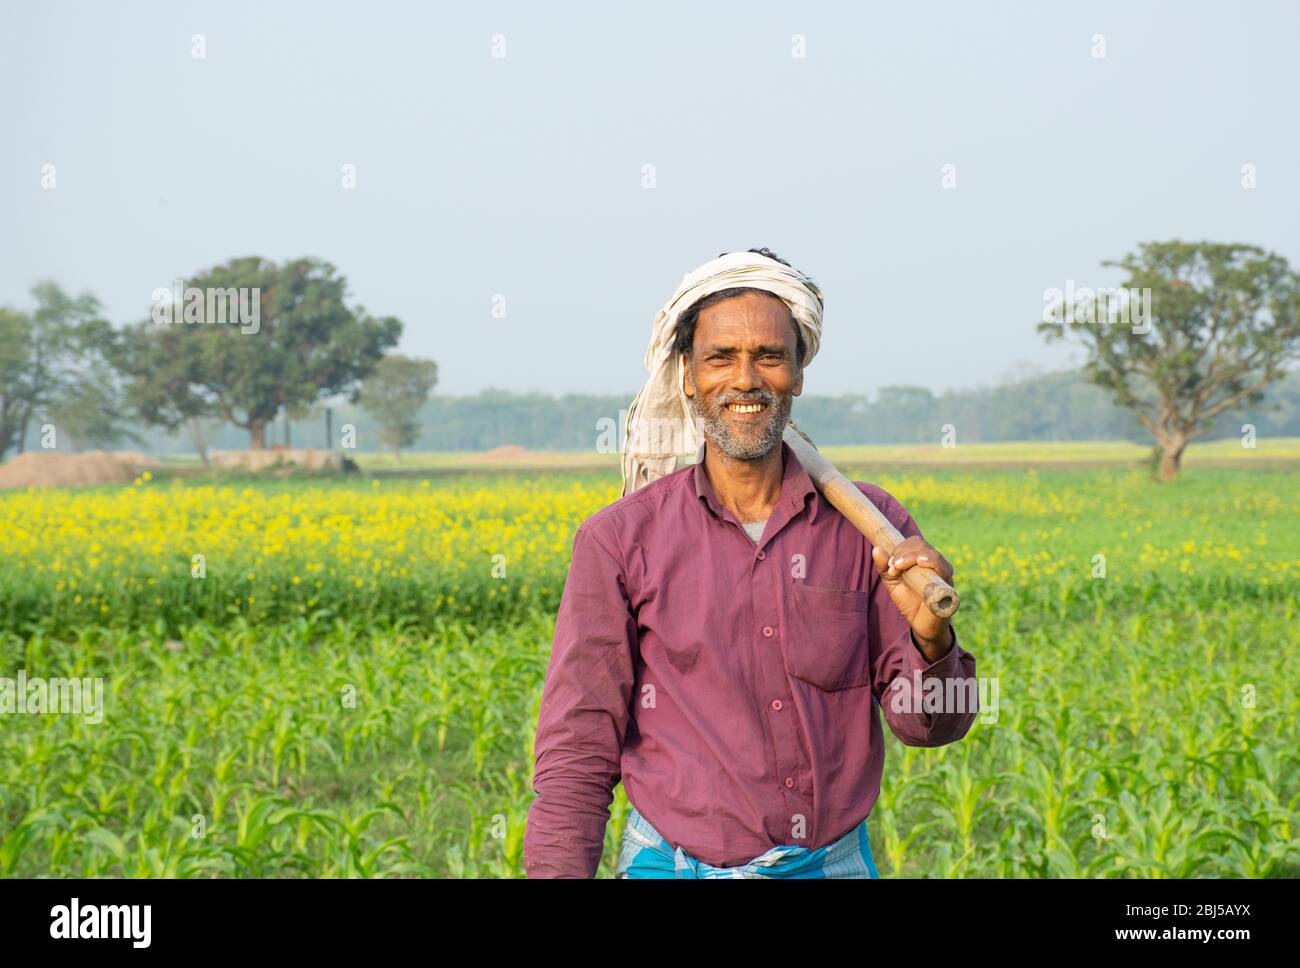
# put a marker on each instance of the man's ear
(688, 384)
(798, 381)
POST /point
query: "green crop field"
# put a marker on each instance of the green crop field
(341, 678)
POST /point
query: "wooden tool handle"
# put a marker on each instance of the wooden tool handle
(940, 597)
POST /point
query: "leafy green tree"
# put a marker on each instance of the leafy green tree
(90, 413)
(394, 393)
(1224, 323)
(15, 353)
(303, 343)
(55, 364)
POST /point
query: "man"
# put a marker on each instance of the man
(725, 635)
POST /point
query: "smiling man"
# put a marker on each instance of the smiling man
(726, 636)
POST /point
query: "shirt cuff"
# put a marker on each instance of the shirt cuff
(941, 667)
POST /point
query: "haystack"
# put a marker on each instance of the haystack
(47, 468)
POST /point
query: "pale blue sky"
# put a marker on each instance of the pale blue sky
(522, 176)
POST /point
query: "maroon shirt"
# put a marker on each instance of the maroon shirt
(732, 686)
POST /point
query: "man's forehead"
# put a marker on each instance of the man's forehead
(746, 321)
(748, 305)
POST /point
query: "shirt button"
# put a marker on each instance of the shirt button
(762, 555)
(767, 631)
(789, 782)
(776, 704)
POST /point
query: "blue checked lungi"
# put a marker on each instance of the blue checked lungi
(646, 854)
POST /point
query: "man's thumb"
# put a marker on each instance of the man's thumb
(881, 559)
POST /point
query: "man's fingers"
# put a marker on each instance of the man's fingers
(903, 558)
(935, 562)
(891, 565)
(899, 562)
(883, 561)
(941, 565)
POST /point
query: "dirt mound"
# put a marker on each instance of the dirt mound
(508, 452)
(51, 469)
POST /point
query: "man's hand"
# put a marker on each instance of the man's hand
(933, 635)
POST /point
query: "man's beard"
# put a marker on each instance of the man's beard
(743, 442)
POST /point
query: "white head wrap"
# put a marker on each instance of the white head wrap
(660, 422)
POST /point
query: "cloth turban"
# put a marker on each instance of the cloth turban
(660, 422)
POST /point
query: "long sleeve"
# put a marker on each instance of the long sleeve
(583, 719)
(898, 667)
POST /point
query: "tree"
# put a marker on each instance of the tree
(55, 363)
(292, 342)
(199, 430)
(89, 414)
(1223, 322)
(15, 354)
(394, 394)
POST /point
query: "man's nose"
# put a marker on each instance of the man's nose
(746, 376)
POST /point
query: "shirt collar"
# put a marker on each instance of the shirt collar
(795, 485)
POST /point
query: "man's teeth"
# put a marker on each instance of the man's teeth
(744, 407)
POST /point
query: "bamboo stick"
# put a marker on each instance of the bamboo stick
(940, 597)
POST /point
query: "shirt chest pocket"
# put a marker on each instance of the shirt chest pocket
(827, 644)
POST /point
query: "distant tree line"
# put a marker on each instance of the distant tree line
(1054, 406)
(1199, 341)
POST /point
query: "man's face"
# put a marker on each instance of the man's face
(744, 355)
